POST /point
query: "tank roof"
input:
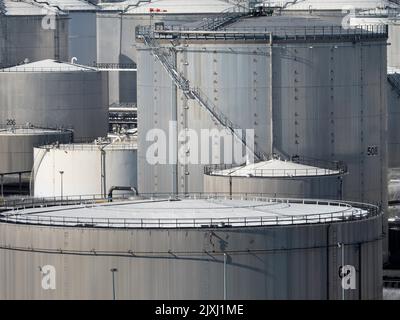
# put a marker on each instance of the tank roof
(26, 8)
(115, 145)
(29, 131)
(277, 169)
(72, 5)
(169, 6)
(192, 213)
(49, 65)
(285, 21)
(183, 6)
(279, 28)
(332, 4)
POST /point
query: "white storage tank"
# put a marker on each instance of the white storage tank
(196, 248)
(311, 179)
(84, 169)
(31, 31)
(51, 93)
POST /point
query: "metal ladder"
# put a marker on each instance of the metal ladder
(196, 94)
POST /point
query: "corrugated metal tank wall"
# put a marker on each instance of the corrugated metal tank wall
(236, 78)
(157, 106)
(76, 100)
(394, 48)
(23, 37)
(238, 84)
(311, 188)
(393, 128)
(287, 262)
(330, 103)
(16, 150)
(117, 44)
(83, 37)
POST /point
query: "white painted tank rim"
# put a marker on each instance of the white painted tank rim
(31, 132)
(279, 169)
(115, 146)
(192, 213)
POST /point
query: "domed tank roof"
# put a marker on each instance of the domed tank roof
(26, 8)
(333, 4)
(275, 168)
(49, 65)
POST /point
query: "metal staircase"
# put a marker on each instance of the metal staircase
(290, 3)
(223, 19)
(196, 94)
(137, 4)
(394, 81)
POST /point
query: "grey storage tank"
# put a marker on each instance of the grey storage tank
(51, 93)
(116, 24)
(308, 88)
(17, 144)
(31, 31)
(181, 248)
(82, 29)
(393, 118)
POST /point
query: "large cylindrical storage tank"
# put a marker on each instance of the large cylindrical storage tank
(277, 178)
(82, 43)
(17, 144)
(165, 248)
(50, 93)
(394, 192)
(87, 169)
(116, 25)
(394, 48)
(309, 89)
(330, 103)
(31, 32)
(82, 29)
(394, 118)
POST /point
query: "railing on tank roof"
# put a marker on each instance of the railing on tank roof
(319, 168)
(226, 17)
(347, 211)
(267, 33)
(27, 127)
(123, 145)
